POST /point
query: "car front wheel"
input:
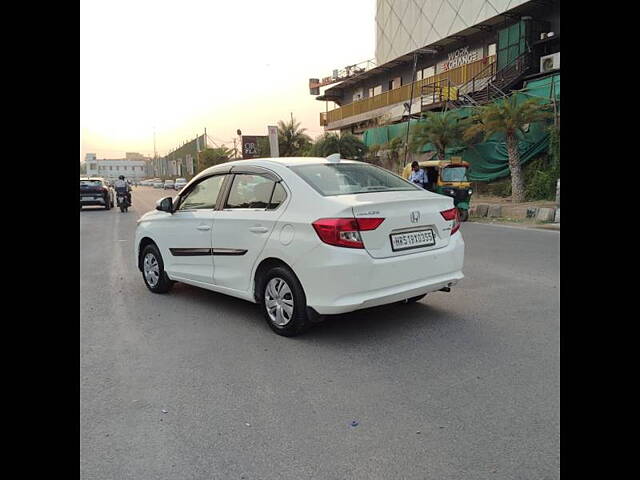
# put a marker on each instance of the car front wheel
(284, 303)
(155, 278)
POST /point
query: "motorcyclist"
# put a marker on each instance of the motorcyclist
(123, 186)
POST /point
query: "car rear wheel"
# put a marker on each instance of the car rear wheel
(155, 278)
(284, 303)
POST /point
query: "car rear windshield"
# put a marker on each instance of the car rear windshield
(90, 183)
(350, 178)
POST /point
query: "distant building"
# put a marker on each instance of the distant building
(468, 52)
(111, 169)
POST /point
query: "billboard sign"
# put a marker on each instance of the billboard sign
(250, 146)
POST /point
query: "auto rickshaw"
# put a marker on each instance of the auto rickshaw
(448, 177)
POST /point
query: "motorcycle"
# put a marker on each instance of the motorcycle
(123, 201)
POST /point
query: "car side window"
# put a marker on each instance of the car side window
(203, 195)
(279, 196)
(250, 191)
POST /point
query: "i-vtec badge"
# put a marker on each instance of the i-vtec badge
(415, 216)
(372, 212)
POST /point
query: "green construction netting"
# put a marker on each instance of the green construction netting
(489, 160)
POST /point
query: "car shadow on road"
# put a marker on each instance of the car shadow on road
(95, 209)
(386, 321)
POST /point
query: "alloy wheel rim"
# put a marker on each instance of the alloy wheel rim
(278, 301)
(151, 269)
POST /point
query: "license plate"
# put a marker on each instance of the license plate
(417, 239)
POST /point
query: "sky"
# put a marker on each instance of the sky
(178, 67)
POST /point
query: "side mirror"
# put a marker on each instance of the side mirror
(165, 204)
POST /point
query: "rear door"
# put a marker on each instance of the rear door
(412, 222)
(255, 201)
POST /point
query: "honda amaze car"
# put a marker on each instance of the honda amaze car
(302, 237)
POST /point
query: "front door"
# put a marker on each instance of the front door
(187, 233)
(243, 226)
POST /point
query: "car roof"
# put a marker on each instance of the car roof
(270, 162)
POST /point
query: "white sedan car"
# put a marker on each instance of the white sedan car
(303, 237)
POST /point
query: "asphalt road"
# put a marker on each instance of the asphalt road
(462, 385)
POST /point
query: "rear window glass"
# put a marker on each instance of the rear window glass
(250, 191)
(350, 178)
(454, 174)
(279, 196)
(90, 183)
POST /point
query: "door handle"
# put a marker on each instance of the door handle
(258, 229)
(204, 227)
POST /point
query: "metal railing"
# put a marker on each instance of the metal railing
(454, 77)
(490, 76)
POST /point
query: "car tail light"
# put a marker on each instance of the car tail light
(452, 214)
(345, 232)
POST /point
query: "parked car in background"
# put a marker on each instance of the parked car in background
(96, 191)
(302, 237)
(180, 183)
(158, 184)
(168, 184)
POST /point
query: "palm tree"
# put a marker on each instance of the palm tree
(292, 141)
(347, 145)
(441, 129)
(508, 117)
(393, 147)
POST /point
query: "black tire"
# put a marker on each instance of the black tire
(414, 299)
(122, 207)
(298, 321)
(107, 205)
(464, 214)
(164, 283)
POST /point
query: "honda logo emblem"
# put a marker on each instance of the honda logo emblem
(415, 216)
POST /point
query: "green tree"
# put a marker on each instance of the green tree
(292, 141)
(394, 147)
(373, 154)
(508, 117)
(213, 156)
(83, 168)
(347, 145)
(263, 147)
(441, 129)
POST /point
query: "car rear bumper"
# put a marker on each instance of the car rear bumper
(338, 281)
(100, 201)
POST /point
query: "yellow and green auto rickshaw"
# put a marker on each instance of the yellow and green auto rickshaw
(448, 177)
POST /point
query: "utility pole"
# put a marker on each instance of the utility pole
(413, 81)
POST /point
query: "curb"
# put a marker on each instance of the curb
(497, 210)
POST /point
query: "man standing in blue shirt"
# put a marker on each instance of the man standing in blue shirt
(417, 175)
